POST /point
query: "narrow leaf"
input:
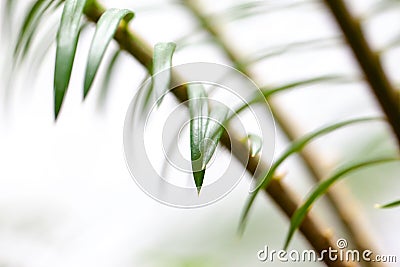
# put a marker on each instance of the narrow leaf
(378, 8)
(206, 129)
(9, 5)
(41, 50)
(67, 41)
(8, 13)
(322, 188)
(320, 43)
(105, 30)
(30, 24)
(198, 108)
(393, 204)
(295, 147)
(213, 132)
(162, 60)
(107, 78)
(269, 91)
(51, 9)
(251, 9)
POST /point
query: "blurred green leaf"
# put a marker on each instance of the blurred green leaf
(162, 61)
(393, 204)
(255, 144)
(30, 24)
(395, 42)
(295, 147)
(254, 8)
(244, 10)
(67, 41)
(41, 50)
(206, 128)
(8, 12)
(105, 30)
(9, 5)
(380, 7)
(195, 37)
(107, 78)
(269, 91)
(313, 44)
(322, 188)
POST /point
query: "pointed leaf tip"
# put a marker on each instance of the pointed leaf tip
(206, 128)
(393, 204)
(67, 41)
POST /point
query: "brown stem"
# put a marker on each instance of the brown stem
(343, 204)
(278, 191)
(369, 63)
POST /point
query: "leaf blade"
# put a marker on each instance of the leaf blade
(67, 41)
(107, 78)
(292, 149)
(393, 204)
(198, 108)
(206, 129)
(214, 131)
(321, 189)
(268, 91)
(105, 30)
(162, 60)
(29, 26)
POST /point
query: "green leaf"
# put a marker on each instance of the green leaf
(251, 9)
(295, 147)
(9, 6)
(107, 78)
(67, 41)
(105, 30)
(8, 13)
(214, 132)
(32, 19)
(268, 91)
(255, 144)
(322, 188)
(244, 10)
(198, 108)
(393, 204)
(379, 7)
(206, 128)
(162, 60)
(314, 44)
(41, 50)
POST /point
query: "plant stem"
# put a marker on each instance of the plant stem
(278, 191)
(343, 204)
(369, 63)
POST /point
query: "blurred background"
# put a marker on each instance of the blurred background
(66, 196)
